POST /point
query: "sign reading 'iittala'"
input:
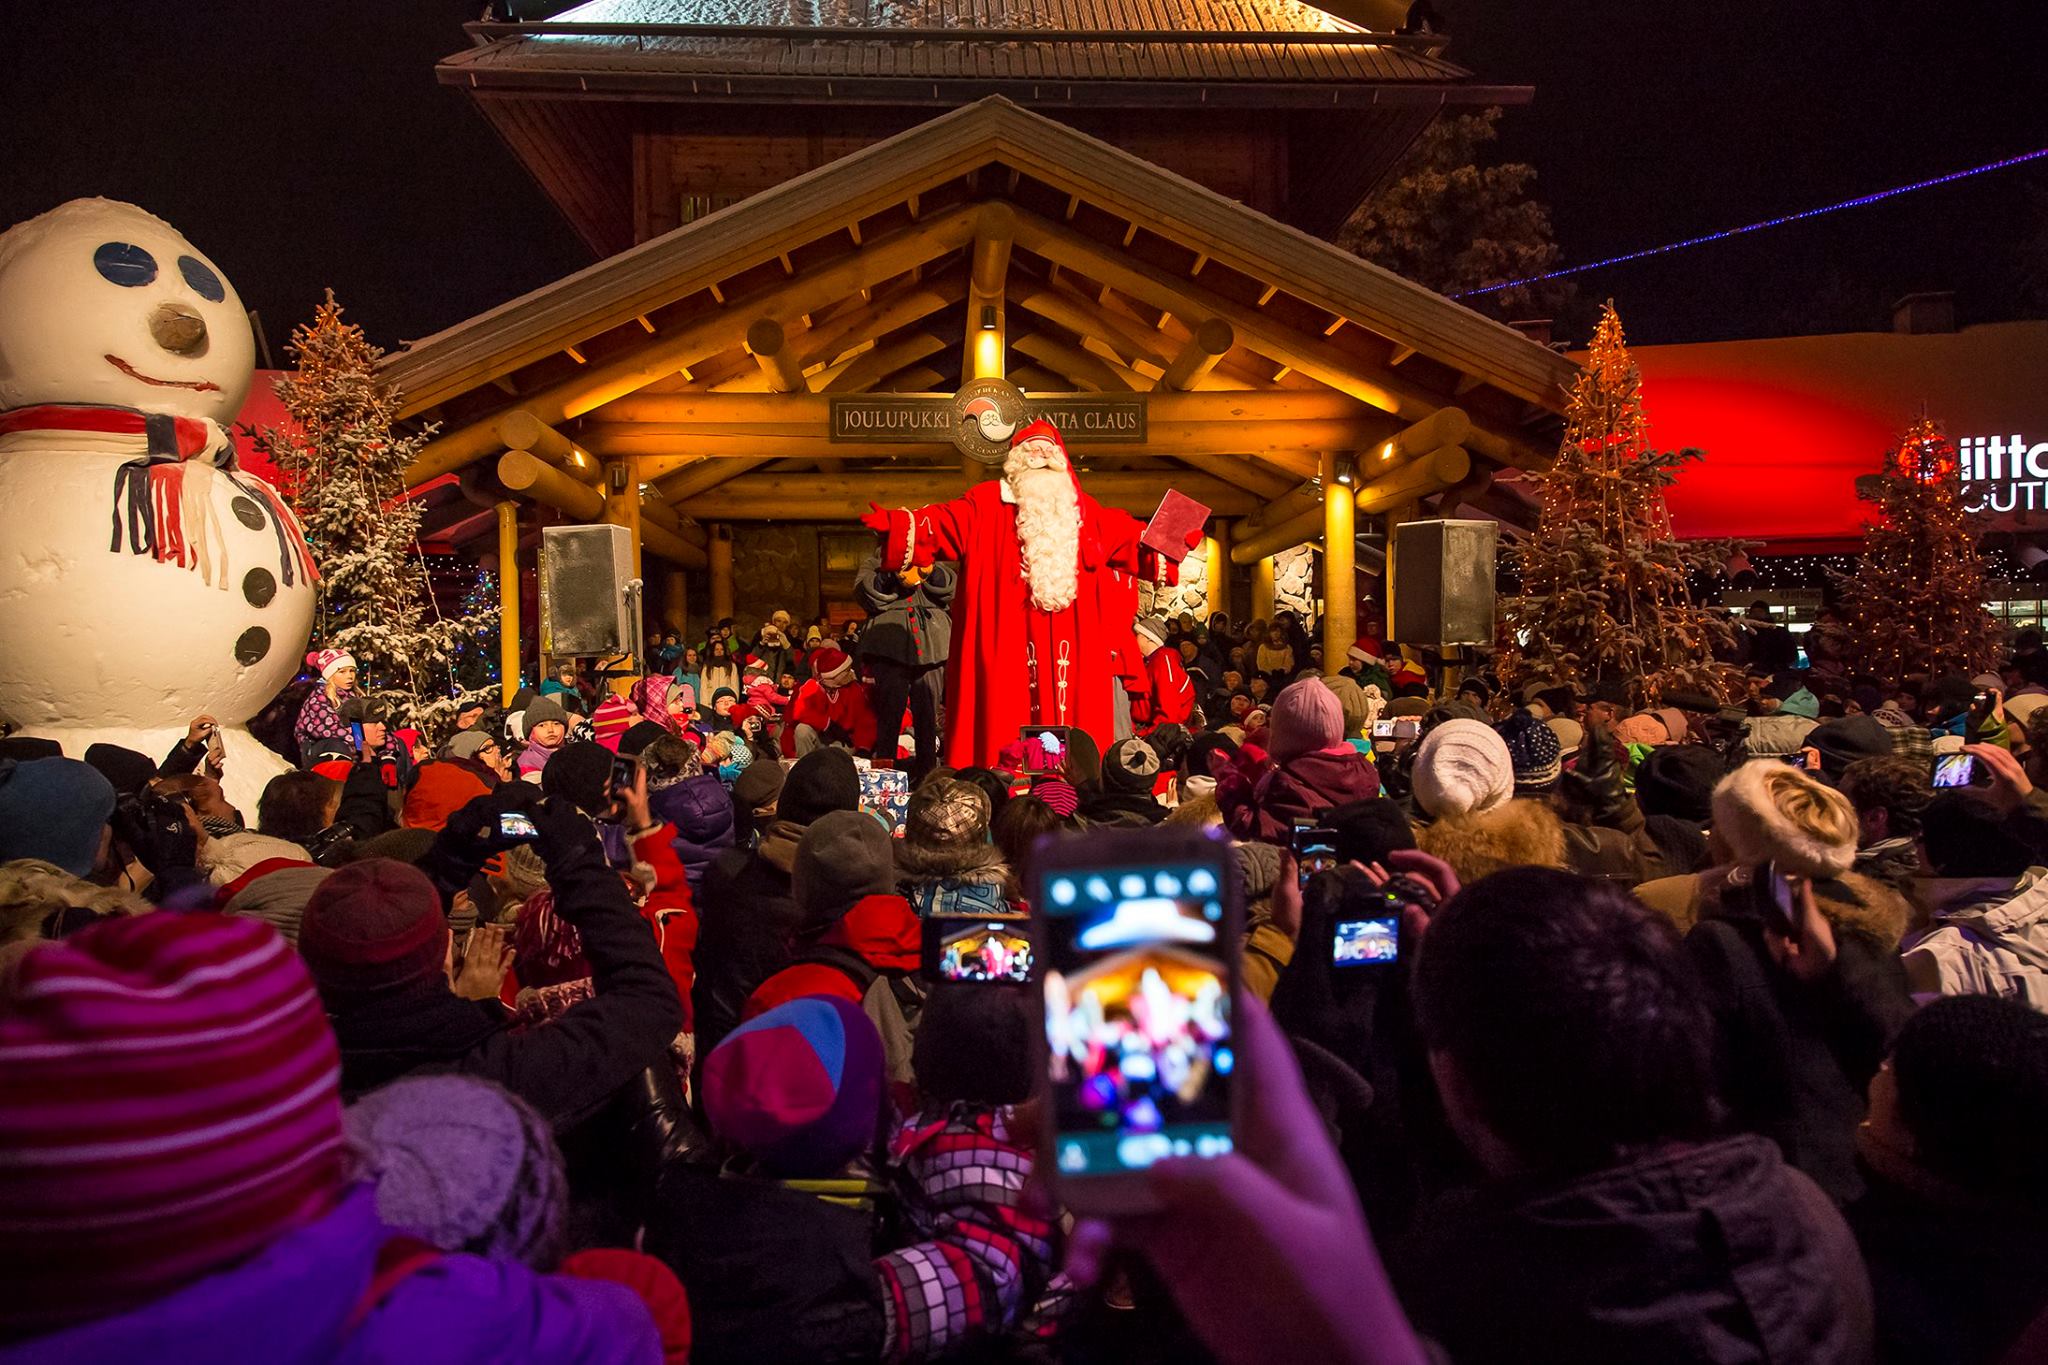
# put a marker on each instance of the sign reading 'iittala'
(2004, 473)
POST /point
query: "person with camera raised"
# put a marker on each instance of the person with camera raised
(377, 938)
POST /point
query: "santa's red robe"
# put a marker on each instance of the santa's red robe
(992, 688)
(820, 709)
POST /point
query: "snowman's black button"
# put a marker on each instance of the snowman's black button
(252, 646)
(248, 513)
(259, 586)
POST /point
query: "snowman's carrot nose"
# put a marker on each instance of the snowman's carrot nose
(178, 329)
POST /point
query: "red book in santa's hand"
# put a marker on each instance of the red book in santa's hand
(1167, 532)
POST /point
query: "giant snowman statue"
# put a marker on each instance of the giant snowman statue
(144, 579)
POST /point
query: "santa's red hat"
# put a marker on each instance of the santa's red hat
(1040, 430)
(831, 667)
(1368, 650)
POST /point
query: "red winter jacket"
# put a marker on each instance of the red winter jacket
(849, 710)
(883, 931)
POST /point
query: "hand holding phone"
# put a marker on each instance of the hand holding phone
(1955, 770)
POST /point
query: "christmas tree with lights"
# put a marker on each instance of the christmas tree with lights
(1915, 605)
(343, 467)
(1604, 594)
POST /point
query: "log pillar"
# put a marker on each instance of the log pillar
(1219, 567)
(508, 600)
(1340, 587)
(721, 573)
(673, 599)
(1263, 591)
(622, 502)
(1405, 512)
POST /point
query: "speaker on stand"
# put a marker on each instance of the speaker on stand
(1443, 585)
(589, 596)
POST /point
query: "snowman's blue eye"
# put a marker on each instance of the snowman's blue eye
(204, 282)
(124, 264)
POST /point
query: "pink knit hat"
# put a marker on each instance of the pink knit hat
(169, 1105)
(610, 721)
(1306, 716)
(328, 662)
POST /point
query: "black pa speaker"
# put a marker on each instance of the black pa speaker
(584, 571)
(1443, 583)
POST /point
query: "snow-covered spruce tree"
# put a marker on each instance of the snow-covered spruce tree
(343, 467)
(1604, 594)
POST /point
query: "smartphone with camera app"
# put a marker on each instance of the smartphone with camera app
(1315, 850)
(980, 950)
(517, 827)
(1050, 753)
(1137, 934)
(1764, 889)
(1955, 770)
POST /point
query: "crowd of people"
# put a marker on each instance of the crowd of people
(599, 1028)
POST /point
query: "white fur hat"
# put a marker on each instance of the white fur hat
(1749, 821)
(1462, 766)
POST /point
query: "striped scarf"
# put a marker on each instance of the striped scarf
(163, 494)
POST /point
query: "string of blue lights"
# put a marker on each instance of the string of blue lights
(1779, 221)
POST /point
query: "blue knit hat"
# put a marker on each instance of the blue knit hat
(799, 1087)
(1535, 751)
(54, 809)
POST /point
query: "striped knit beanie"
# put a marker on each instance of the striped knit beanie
(169, 1105)
(610, 721)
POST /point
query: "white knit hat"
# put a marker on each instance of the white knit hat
(1150, 626)
(1462, 767)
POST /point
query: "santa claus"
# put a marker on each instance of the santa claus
(1030, 644)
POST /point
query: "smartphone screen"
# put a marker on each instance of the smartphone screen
(1050, 751)
(994, 951)
(625, 771)
(1315, 850)
(1137, 1012)
(1383, 729)
(1954, 770)
(1367, 942)
(517, 825)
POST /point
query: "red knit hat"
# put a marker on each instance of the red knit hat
(610, 721)
(372, 927)
(169, 1105)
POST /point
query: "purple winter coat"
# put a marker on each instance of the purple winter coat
(699, 810)
(290, 1305)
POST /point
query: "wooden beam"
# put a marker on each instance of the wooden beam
(659, 540)
(881, 362)
(1219, 565)
(1243, 472)
(1443, 468)
(1212, 341)
(768, 343)
(903, 303)
(1444, 427)
(844, 497)
(622, 505)
(794, 414)
(595, 385)
(1079, 366)
(521, 430)
(653, 509)
(1286, 445)
(541, 481)
(691, 482)
(1086, 318)
(1313, 356)
(984, 352)
(1262, 545)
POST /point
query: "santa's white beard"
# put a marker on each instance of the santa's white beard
(1049, 530)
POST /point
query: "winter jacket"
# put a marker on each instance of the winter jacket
(699, 810)
(1796, 1056)
(775, 1273)
(1955, 1278)
(1265, 807)
(1123, 810)
(870, 956)
(1775, 735)
(843, 713)
(226, 858)
(1986, 944)
(982, 1260)
(294, 1302)
(746, 922)
(564, 1070)
(320, 718)
(1715, 1254)
(914, 629)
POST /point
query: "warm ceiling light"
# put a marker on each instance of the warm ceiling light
(988, 317)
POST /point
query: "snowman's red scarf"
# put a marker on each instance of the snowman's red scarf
(150, 488)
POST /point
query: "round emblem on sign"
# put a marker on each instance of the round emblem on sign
(986, 414)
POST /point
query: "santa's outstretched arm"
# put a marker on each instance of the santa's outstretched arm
(912, 537)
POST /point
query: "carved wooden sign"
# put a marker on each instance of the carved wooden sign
(982, 417)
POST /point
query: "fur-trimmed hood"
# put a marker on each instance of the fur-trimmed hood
(980, 864)
(1516, 833)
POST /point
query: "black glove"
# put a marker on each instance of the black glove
(471, 835)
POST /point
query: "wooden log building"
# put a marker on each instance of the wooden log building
(814, 237)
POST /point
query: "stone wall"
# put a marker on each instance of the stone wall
(774, 565)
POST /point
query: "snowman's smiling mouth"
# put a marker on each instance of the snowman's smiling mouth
(197, 385)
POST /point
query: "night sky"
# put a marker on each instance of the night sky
(305, 146)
